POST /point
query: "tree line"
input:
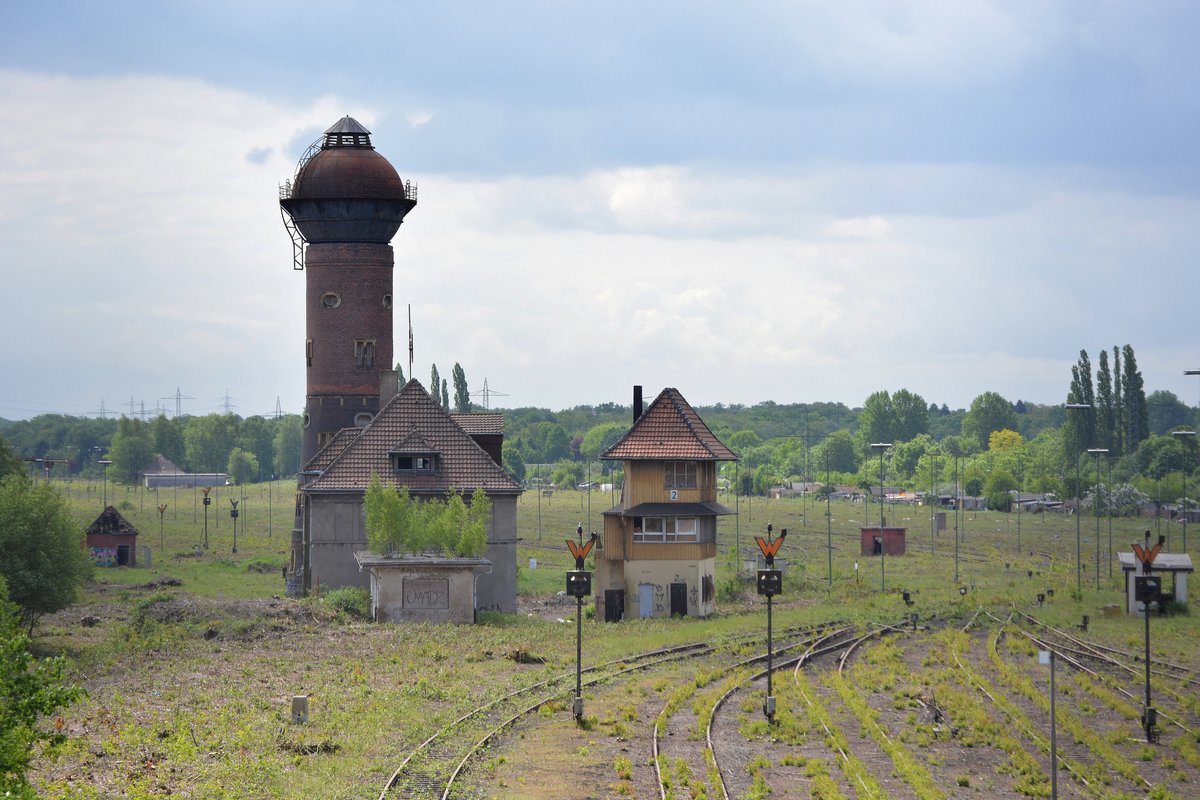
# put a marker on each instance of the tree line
(776, 442)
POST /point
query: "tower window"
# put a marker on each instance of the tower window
(364, 352)
(387, 300)
(308, 351)
(362, 419)
(330, 300)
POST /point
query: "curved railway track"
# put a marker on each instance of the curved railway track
(436, 767)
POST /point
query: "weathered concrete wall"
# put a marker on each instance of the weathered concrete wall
(422, 589)
(660, 575)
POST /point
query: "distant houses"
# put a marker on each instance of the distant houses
(163, 472)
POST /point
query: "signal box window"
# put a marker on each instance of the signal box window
(680, 475)
(664, 529)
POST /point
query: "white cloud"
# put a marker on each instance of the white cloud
(416, 119)
(145, 250)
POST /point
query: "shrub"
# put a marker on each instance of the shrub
(28, 689)
(351, 601)
(398, 523)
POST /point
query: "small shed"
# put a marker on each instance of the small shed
(889, 542)
(422, 588)
(112, 540)
(1177, 565)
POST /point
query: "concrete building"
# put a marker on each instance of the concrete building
(411, 442)
(657, 556)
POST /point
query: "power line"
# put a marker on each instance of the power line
(178, 397)
(487, 394)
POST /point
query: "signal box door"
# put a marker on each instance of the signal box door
(679, 599)
(614, 605)
(645, 600)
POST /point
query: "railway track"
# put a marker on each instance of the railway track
(437, 767)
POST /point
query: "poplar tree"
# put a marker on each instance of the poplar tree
(1107, 435)
(462, 395)
(1137, 416)
(1080, 425)
(435, 384)
(445, 395)
(1119, 403)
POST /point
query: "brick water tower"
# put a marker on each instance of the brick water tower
(342, 208)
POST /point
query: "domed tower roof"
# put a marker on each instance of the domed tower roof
(344, 191)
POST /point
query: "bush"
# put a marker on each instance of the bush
(351, 601)
(28, 689)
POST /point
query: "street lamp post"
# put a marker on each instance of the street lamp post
(104, 462)
(1020, 482)
(957, 505)
(1097, 452)
(933, 504)
(881, 448)
(1078, 533)
(1183, 501)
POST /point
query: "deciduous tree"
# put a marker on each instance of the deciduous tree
(132, 449)
(44, 561)
(989, 412)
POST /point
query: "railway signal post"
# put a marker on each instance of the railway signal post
(1147, 589)
(207, 502)
(770, 583)
(579, 586)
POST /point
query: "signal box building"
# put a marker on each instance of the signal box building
(657, 556)
(411, 442)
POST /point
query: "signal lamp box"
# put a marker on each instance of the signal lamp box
(579, 583)
(770, 582)
(878, 541)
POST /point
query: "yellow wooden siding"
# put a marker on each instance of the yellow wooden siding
(657, 551)
(644, 483)
(614, 540)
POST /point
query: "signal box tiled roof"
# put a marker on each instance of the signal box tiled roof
(486, 424)
(669, 429)
(409, 417)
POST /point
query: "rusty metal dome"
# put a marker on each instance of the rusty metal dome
(344, 191)
(346, 165)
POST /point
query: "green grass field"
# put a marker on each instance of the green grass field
(189, 684)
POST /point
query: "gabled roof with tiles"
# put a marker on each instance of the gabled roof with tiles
(669, 430)
(413, 419)
(485, 424)
(332, 449)
(111, 523)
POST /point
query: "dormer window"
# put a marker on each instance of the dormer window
(414, 462)
(679, 475)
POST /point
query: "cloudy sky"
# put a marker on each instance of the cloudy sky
(796, 202)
